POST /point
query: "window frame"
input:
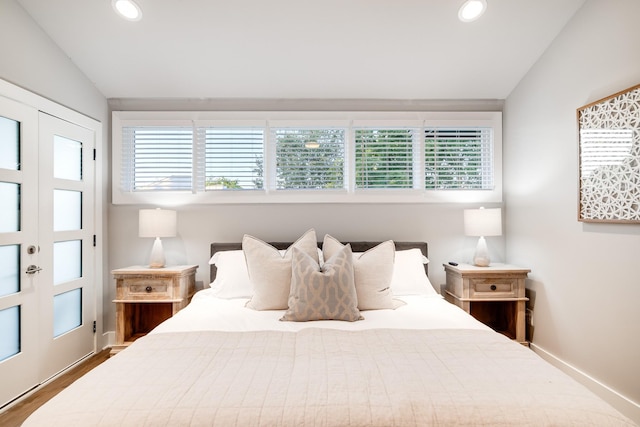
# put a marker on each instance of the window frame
(308, 119)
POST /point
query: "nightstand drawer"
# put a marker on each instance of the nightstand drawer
(493, 288)
(147, 288)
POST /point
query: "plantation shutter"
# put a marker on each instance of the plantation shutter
(309, 158)
(157, 158)
(458, 159)
(234, 158)
(384, 158)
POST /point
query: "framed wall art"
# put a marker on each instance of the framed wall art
(609, 144)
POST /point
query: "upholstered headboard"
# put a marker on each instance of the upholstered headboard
(355, 246)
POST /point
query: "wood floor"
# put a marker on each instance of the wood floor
(16, 414)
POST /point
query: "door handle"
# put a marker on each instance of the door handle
(33, 269)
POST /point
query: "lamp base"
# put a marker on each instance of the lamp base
(157, 255)
(481, 256)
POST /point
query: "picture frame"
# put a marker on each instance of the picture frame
(609, 158)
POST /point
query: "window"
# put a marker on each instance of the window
(234, 158)
(385, 158)
(458, 159)
(311, 159)
(157, 158)
(254, 157)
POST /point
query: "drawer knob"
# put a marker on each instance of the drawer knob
(494, 287)
(148, 289)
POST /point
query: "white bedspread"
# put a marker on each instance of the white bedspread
(204, 368)
(206, 312)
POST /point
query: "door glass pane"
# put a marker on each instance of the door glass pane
(67, 158)
(10, 207)
(67, 310)
(9, 269)
(67, 210)
(9, 332)
(9, 144)
(67, 261)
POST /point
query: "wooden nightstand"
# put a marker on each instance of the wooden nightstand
(147, 296)
(494, 295)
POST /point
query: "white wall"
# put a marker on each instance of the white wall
(30, 59)
(198, 226)
(584, 278)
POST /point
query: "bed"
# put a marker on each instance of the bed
(421, 362)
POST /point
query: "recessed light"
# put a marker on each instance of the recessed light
(472, 10)
(128, 9)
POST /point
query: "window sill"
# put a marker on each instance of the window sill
(306, 196)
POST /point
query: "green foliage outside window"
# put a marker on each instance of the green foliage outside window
(384, 158)
(222, 183)
(309, 158)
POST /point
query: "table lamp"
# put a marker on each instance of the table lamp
(481, 223)
(157, 223)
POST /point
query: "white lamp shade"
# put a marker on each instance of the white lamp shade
(157, 223)
(483, 222)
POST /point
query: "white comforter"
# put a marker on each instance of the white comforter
(216, 364)
(206, 312)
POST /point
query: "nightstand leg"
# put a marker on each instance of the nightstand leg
(520, 322)
(121, 324)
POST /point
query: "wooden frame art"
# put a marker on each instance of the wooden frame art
(609, 164)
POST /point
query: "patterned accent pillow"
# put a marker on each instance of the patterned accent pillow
(322, 294)
(270, 270)
(373, 271)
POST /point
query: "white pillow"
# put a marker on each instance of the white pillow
(373, 271)
(232, 276)
(270, 271)
(409, 277)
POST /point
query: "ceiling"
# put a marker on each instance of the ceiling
(292, 49)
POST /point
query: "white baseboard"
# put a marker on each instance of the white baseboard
(622, 403)
(108, 339)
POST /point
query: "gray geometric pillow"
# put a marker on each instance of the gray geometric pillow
(327, 294)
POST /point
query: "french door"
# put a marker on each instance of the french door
(47, 302)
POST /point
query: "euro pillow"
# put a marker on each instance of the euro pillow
(373, 271)
(409, 277)
(270, 271)
(232, 276)
(326, 293)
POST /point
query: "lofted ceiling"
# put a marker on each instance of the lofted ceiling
(336, 49)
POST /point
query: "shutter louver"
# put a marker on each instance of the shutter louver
(384, 158)
(159, 158)
(310, 159)
(234, 158)
(458, 159)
